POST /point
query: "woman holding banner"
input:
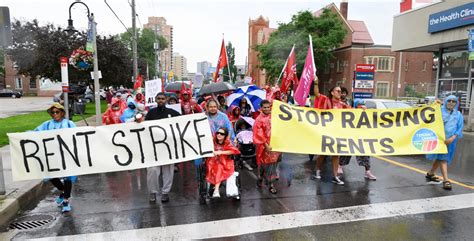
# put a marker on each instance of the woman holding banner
(453, 124)
(57, 112)
(332, 101)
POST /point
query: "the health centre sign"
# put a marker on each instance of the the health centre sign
(451, 18)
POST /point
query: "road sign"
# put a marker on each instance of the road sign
(363, 95)
(364, 76)
(364, 84)
(64, 74)
(365, 68)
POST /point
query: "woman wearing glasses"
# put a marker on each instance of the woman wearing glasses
(453, 124)
(331, 101)
(221, 166)
(57, 112)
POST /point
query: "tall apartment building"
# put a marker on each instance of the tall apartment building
(180, 68)
(203, 68)
(159, 26)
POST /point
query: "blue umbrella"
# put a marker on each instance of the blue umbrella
(252, 93)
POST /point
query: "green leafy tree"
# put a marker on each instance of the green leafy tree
(145, 47)
(36, 50)
(327, 32)
(231, 62)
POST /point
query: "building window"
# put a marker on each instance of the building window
(18, 83)
(382, 63)
(32, 83)
(423, 68)
(260, 37)
(381, 89)
(338, 66)
(406, 65)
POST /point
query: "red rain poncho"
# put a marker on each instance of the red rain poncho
(261, 135)
(112, 116)
(219, 168)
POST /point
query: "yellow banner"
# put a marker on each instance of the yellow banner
(357, 132)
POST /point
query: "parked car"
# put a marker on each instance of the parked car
(385, 104)
(10, 93)
(430, 99)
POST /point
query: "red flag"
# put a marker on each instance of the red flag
(221, 62)
(138, 83)
(289, 72)
(308, 75)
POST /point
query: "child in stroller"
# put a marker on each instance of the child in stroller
(218, 168)
(244, 140)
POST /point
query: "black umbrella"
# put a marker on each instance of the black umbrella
(176, 86)
(216, 88)
(240, 84)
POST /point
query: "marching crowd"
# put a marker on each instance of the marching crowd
(235, 126)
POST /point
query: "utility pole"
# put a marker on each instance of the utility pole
(134, 43)
(157, 54)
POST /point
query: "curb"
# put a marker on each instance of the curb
(19, 200)
(26, 196)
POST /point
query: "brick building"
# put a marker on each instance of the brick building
(259, 33)
(359, 48)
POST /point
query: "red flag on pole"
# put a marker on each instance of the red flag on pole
(289, 72)
(308, 75)
(138, 83)
(221, 62)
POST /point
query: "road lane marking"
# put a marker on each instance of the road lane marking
(421, 171)
(265, 223)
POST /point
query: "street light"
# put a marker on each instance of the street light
(70, 29)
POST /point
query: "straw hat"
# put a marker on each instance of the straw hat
(57, 106)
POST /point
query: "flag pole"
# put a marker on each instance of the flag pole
(284, 67)
(228, 61)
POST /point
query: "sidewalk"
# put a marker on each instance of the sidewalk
(19, 195)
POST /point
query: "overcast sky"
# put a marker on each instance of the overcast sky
(199, 24)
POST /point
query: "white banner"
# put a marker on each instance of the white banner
(176, 107)
(152, 87)
(111, 148)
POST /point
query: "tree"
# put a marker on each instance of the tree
(327, 32)
(145, 47)
(36, 50)
(231, 62)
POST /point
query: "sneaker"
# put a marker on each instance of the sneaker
(152, 197)
(370, 176)
(59, 200)
(317, 175)
(165, 198)
(340, 171)
(216, 194)
(337, 181)
(433, 178)
(66, 207)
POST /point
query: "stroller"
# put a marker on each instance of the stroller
(205, 189)
(246, 147)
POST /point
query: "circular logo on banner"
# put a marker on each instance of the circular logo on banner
(425, 140)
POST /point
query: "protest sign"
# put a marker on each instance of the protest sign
(120, 147)
(152, 87)
(176, 107)
(356, 131)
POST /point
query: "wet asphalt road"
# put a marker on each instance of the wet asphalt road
(119, 201)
